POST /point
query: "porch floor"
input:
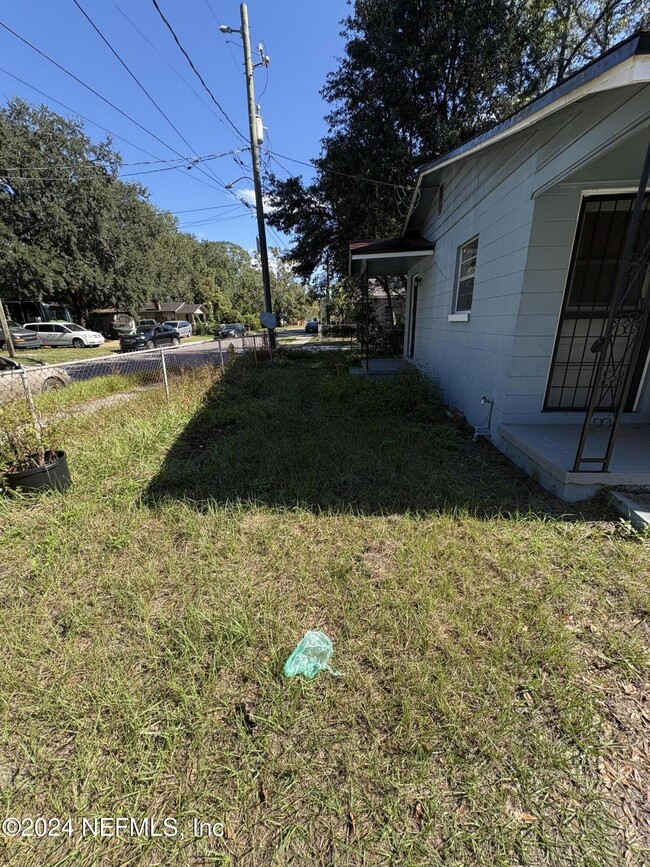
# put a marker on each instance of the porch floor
(379, 367)
(549, 450)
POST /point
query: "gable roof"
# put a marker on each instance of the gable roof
(628, 62)
(163, 307)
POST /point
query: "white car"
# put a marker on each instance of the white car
(65, 334)
(40, 378)
(184, 328)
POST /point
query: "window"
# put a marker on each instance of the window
(465, 270)
(588, 302)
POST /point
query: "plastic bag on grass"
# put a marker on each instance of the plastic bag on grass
(312, 654)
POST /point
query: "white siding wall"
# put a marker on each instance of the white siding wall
(511, 196)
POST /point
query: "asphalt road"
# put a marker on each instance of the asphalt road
(190, 355)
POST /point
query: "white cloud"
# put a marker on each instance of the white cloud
(248, 197)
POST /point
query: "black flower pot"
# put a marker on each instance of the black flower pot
(53, 475)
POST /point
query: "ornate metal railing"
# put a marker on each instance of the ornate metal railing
(619, 347)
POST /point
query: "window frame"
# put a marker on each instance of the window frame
(459, 279)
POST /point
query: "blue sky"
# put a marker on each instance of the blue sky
(301, 38)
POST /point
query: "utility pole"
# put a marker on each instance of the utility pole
(5, 330)
(5, 187)
(255, 154)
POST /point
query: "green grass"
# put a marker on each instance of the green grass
(491, 639)
(87, 391)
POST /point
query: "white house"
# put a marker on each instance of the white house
(511, 246)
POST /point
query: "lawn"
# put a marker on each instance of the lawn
(492, 708)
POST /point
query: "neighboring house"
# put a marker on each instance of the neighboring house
(162, 311)
(380, 307)
(511, 248)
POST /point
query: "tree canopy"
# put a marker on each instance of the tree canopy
(72, 230)
(417, 78)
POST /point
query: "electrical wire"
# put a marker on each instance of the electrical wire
(208, 173)
(201, 223)
(194, 210)
(277, 238)
(170, 65)
(66, 167)
(195, 70)
(209, 5)
(83, 117)
(266, 83)
(274, 156)
(99, 95)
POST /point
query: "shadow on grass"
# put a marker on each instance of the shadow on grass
(304, 433)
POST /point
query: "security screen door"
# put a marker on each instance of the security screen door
(587, 305)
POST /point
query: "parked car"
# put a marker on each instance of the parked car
(148, 323)
(312, 326)
(65, 334)
(150, 338)
(40, 378)
(22, 338)
(112, 323)
(232, 329)
(181, 325)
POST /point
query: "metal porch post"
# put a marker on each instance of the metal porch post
(611, 374)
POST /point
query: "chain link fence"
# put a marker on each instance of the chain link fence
(85, 385)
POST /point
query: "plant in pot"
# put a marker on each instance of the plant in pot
(30, 457)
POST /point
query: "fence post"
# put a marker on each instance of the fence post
(220, 352)
(164, 372)
(255, 350)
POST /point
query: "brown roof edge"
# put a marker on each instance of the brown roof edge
(390, 245)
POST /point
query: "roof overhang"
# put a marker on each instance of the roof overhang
(388, 256)
(623, 64)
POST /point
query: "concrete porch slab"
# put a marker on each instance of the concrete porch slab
(547, 452)
(384, 367)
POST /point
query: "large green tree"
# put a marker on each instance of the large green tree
(417, 78)
(70, 228)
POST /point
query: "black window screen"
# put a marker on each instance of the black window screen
(587, 303)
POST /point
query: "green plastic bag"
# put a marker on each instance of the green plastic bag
(312, 654)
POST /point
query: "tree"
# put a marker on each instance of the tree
(576, 31)
(419, 77)
(71, 229)
(290, 300)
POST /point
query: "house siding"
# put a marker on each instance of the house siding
(522, 198)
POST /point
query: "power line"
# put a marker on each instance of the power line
(200, 223)
(194, 210)
(195, 70)
(331, 171)
(99, 95)
(191, 161)
(139, 83)
(277, 238)
(170, 65)
(209, 5)
(83, 117)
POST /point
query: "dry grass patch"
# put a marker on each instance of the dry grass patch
(493, 648)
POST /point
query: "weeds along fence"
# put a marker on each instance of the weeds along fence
(81, 385)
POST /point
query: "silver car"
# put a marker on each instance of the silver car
(181, 325)
(65, 334)
(40, 378)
